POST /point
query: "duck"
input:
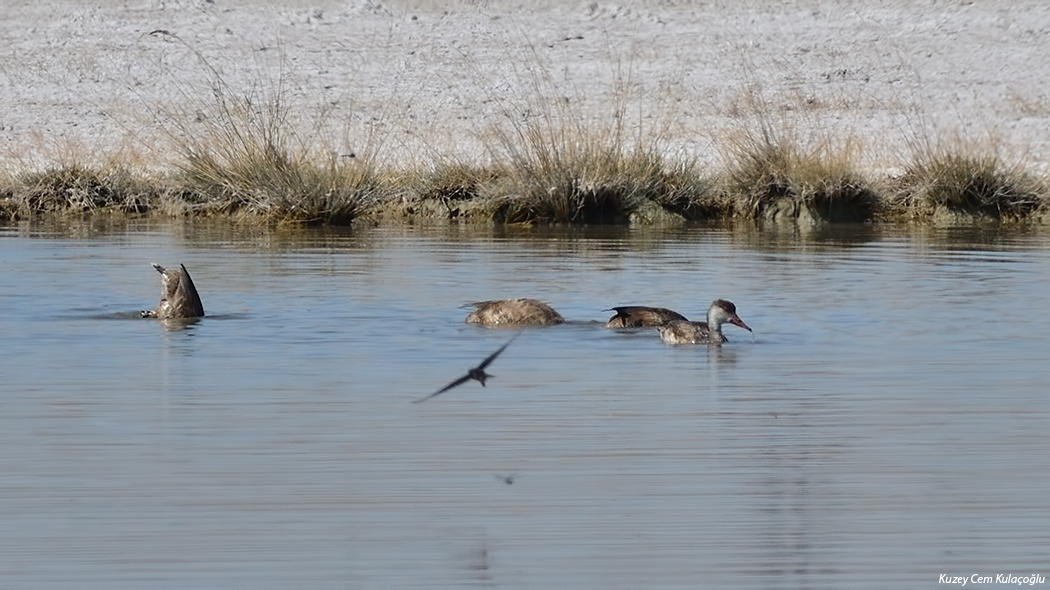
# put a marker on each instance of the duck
(513, 312)
(710, 332)
(178, 296)
(638, 316)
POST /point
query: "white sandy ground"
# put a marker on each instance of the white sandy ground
(424, 80)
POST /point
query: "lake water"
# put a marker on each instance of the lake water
(888, 421)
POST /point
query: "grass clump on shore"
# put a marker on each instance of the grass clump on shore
(265, 180)
(574, 181)
(771, 177)
(451, 190)
(243, 153)
(560, 159)
(962, 184)
(77, 189)
(248, 162)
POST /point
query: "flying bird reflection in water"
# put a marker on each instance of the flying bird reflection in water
(507, 479)
(477, 373)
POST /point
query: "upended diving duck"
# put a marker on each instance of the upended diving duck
(178, 296)
(513, 312)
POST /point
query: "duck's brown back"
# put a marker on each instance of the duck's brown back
(516, 312)
(637, 316)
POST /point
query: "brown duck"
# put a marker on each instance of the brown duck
(637, 316)
(709, 332)
(178, 297)
(513, 312)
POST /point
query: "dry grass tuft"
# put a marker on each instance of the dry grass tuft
(771, 173)
(563, 162)
(76, 189)
(265, 180)
(242, 153)
(577, 180)
(460, 188)
(962, 183)
(690, 192)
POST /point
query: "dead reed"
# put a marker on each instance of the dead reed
(241, 153)
(962, 182)
(769, 177)
(781, 166)
(551, 158)
(76, 189)
(561, 160)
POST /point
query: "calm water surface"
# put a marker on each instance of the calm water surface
(888, 421)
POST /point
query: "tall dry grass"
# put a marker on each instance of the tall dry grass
(52, 177)
(777, 166)
(962, 180)
(769, 175)
(551, 156)
(560, 160)
(241, 153)
(74, 188)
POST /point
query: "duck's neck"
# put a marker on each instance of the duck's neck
(714, 326)
(714, 322)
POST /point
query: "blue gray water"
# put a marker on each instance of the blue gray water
(886, 423)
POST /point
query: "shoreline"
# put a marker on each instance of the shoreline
(535, 112)
(804, 192)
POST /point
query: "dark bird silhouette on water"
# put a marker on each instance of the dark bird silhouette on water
(477, 373)
(507, 479)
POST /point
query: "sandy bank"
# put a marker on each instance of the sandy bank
(419, 79)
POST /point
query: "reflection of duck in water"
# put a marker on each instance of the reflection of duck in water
(178, 298)
(709, 332)
(637, 316)
(520, 312)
